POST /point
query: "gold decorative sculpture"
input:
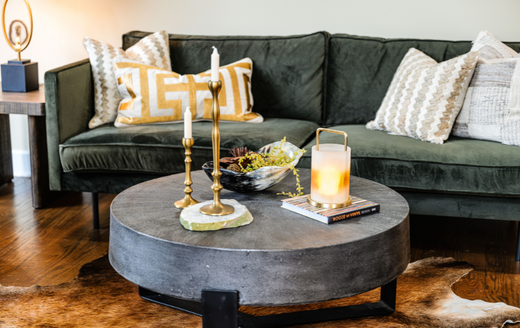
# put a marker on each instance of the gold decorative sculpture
(19, 75)
(17, 44)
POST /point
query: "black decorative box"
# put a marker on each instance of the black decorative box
(20, 76)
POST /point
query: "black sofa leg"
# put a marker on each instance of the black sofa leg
(518, 243)
(95, 210)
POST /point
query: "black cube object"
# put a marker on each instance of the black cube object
(20, 76)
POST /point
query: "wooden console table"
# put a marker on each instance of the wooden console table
(31, 104)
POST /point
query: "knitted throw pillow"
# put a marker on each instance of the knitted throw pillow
(491, 110)
(424, 96)
(151, 50)
(154, 95)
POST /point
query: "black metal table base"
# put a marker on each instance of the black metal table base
(219, 308)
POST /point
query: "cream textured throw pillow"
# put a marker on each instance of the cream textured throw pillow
(425, 97)
(151, 50)
(491, 110)
(153, 95)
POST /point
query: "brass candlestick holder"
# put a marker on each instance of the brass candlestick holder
(216, 207)
(187, 200)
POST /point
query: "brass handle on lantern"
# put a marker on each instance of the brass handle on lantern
(331, 131)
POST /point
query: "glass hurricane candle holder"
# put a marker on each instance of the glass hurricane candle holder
(330, 173)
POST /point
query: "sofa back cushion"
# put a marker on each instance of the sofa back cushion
(288, 72)
(360, 70)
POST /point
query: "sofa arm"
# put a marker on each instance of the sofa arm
(69, 105)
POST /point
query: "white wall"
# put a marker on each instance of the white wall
(60, 25)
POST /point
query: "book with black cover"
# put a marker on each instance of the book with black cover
(358, 207)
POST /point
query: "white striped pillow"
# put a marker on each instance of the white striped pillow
(152, 50)
(425, 97)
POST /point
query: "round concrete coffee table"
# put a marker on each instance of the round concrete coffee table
(281, 258)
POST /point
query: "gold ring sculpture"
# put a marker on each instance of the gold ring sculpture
(18, 46)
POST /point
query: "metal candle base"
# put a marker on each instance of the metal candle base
(187, 200)
(323, 205)
(216, 208)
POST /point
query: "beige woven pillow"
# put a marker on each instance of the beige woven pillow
(151, 50)
(424, 96)
(491, 109)
(491, 48)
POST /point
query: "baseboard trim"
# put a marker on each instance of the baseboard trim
(21, 163)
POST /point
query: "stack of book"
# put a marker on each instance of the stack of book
(358, 207)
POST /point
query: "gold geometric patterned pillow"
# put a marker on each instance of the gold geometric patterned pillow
(153, 95)
(425, 97)
(151, 50)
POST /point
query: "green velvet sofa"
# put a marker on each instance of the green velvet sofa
(299, 84)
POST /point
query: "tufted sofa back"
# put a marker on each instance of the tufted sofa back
(328, 79)
(288, 72)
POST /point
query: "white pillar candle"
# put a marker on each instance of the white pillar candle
(187, 123)
(215, 62)
(330, 174)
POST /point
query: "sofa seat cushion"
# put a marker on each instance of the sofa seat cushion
(458, 166)
(158, 149)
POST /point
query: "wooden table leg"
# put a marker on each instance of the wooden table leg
(6, 156)
(41, 194)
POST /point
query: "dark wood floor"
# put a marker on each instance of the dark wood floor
(48, 246)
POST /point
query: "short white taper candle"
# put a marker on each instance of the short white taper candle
(187, 123)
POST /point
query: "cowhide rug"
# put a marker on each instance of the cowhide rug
(99, 297)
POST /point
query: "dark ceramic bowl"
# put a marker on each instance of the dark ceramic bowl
(263, 178)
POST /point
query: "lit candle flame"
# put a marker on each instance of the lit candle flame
(329, 181)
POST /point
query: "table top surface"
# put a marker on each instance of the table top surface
(148, 208)
(28, 103)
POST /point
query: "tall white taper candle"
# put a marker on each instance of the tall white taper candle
(215, 62)
(187, 123)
